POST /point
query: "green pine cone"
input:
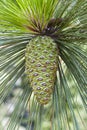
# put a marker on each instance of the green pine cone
(41, 66)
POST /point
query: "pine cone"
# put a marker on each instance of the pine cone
(41, 66)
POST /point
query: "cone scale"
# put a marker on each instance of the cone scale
(41, 58)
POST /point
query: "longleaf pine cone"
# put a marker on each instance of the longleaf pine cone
(41, 65)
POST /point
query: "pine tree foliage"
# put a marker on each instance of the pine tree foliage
(66, 23)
